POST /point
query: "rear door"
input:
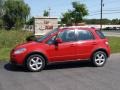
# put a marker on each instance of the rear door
(85, 43)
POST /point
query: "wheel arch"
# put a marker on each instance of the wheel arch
(100, 49)
(39, 53)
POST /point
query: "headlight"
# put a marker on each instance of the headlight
(106, 43)
(20, 50)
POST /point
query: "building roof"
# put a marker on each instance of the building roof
(42, 17)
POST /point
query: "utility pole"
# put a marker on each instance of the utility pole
(49, 11)
(101, 14)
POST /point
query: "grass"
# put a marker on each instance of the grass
(4, 54)
(114, 44)
(9, 39)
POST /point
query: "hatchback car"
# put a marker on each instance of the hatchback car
(63, 45)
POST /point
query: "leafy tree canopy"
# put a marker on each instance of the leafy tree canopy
(30, 21)
(76, 15)
(1, 8)
(16, 13)
(46, 13)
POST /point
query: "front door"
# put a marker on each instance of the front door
(66, 50)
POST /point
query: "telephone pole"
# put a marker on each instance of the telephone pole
(49, 9)
(101, 14)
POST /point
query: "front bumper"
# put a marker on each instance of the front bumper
(17, 59)
(13, 62)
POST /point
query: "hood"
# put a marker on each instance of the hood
(27, 44)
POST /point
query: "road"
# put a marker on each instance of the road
(72, 76)
(112, 33)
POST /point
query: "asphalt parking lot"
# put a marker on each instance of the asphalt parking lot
(71, 76)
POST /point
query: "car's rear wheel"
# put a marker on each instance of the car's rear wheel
(99, 58)
(35, 63)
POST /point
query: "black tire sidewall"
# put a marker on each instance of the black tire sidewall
(28, 60)
(93, 59)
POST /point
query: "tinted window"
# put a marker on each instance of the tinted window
(100, 34)
(67, 35)
(84, 35)
(51, 40)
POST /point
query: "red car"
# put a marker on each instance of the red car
(62, 45)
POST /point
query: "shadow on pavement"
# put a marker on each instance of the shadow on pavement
(55, 66)
(68, 65)
(10, 67)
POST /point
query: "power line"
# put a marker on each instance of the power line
(110, 4)
(111, 1)
(106, 10)
(113, 8)
(103, 13)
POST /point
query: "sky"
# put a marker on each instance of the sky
(111, 8)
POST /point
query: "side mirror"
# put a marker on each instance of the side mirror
(58, 40)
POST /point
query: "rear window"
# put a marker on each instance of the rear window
(100, 34)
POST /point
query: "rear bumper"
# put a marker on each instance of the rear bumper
(108, 51)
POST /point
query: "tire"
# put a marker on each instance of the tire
(99, 58)
(35, 63)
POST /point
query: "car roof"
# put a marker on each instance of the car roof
(78, 28)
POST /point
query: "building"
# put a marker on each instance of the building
(43, 25)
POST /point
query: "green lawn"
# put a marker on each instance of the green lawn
(114, 44)
(9, 39)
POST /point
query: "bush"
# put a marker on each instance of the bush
(11, 38)
(31, 38)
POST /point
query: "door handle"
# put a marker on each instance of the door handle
(72, 45)
(94, 43)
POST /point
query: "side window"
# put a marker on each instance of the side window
(67, 35)
(100, 34)
(84, 35)
(51, 40)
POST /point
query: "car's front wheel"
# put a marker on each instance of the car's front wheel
(99, 58)
(35, 63)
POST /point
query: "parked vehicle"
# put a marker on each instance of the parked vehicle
(63, 45)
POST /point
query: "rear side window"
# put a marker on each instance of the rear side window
(84, 35)
(100, 34)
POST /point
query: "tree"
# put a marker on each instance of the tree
(115, 21)
(16, 13)
(46, 13)
(79, 12)
(1, 12)
(76, 15)
(97, 21)
(1, 7)
(30, 21)
(67, 18)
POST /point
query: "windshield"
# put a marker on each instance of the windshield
(47, 35)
